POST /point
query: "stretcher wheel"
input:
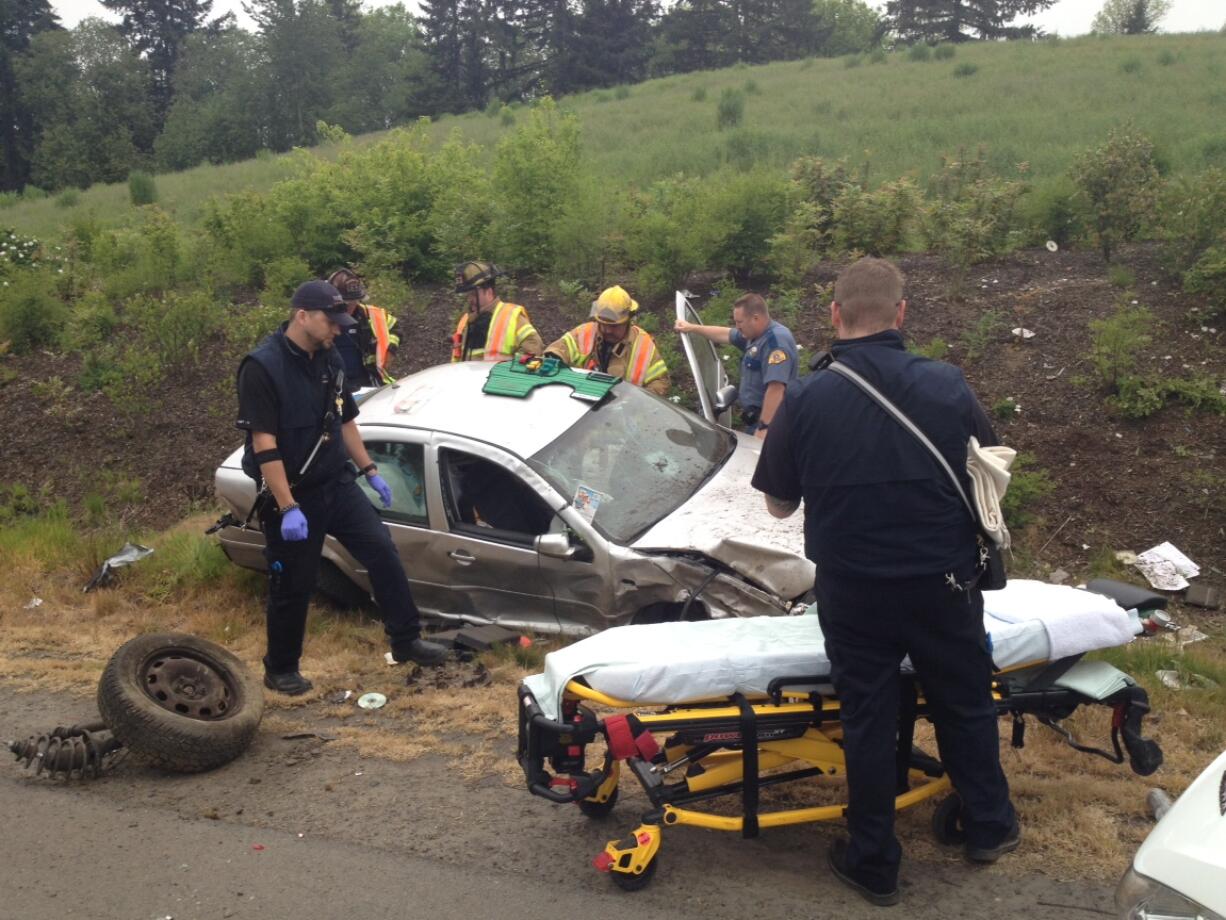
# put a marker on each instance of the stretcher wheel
(947, 821)
(628, 882)
(599, 810)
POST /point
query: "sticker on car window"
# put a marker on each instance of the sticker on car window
(587, 501)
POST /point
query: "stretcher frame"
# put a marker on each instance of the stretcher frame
(796, 730)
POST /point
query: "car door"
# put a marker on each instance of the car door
(492, 509)
(705, 364)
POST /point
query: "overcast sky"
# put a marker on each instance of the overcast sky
(1065, 17)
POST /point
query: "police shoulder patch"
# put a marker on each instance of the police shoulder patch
(778, 356)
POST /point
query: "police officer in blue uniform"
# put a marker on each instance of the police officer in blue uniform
(302, 446)
(769, 362)
(897, 563)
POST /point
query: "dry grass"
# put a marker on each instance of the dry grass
(1082, 815)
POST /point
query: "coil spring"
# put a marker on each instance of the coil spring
(77, 752)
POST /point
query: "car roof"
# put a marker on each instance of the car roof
(449, 398)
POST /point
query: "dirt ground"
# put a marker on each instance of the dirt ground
(1119, 483)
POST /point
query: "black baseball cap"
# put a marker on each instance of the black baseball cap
(319, 295)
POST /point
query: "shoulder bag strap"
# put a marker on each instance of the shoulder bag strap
(899, 416)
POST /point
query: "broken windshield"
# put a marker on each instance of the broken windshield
(633, 460)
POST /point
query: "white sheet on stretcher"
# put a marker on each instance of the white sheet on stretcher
(679, 662)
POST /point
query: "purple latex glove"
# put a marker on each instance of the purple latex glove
(293, 525)
(379, 484)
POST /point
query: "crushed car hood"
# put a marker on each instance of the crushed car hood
(727, 520)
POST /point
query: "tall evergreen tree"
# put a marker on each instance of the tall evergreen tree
(442, 33)
(693, 36)
(302, 51)
(157, 30)
(613, 42)
(89, 97)
(1130, 17)
(961, 20)
(20, 21)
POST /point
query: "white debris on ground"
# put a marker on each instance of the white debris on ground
(1166, 568)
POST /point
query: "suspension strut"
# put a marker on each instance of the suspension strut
(77, 752)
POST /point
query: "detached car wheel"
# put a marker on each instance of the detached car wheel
(179, 702)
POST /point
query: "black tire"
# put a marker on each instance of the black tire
(341, 591)
(627, 882)
(179, 702)
(947, 821)
(598, 810)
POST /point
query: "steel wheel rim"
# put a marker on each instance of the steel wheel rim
(183, 682)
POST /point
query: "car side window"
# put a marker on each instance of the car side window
(403, 466)
(487, 500)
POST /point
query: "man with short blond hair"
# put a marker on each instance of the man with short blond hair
(769, 362)
(897, 570)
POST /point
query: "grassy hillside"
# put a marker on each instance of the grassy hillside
(1035, 103)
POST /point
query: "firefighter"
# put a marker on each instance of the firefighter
(368, 345)
(490, 330)
(612, 343)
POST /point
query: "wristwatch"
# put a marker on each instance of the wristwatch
(762, 426)
(369, 468)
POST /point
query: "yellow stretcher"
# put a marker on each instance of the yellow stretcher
(687, 754)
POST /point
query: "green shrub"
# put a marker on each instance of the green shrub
(621, 92)
(876, 222)
(1131, 65)
(730, 109)
(751, 87)
(1005, 409)
(33, 193)
(17, 251)
(149, 258)
(919, 52)
(493, 108)
(1194, 235)
(9, 199)
(242, 234)
(1116, 344)
(1028, 485)
(989, 329)
(852, 60)
(966, 69)
(1213, 150)
(69, 198)
(602, 97)
(970, 216)
(738, 215)
(1166, 57)
(93, 323)
(658, 232)
(142, 188)
(172, 330)
(1119, 185)
(281, 277)
(535, 171)
(1051, 211)
(744, 148)
(507, 118)
(808, 231)
(943, 52)
(31, 315)
(699, 94)
(878, 56)
(936, 349)
(1121, 276)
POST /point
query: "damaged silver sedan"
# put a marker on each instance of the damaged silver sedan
(557, 514)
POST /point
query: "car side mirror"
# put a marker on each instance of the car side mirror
(724, 398)
(555, 545)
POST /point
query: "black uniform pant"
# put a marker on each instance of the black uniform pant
(869, 627)
(342, 510)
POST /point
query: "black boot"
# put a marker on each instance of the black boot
(291, 684)
(420, 651)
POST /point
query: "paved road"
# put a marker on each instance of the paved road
(87, 857)
(414, 840)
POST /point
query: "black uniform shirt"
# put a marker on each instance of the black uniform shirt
(877, 504)
(259, 407)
